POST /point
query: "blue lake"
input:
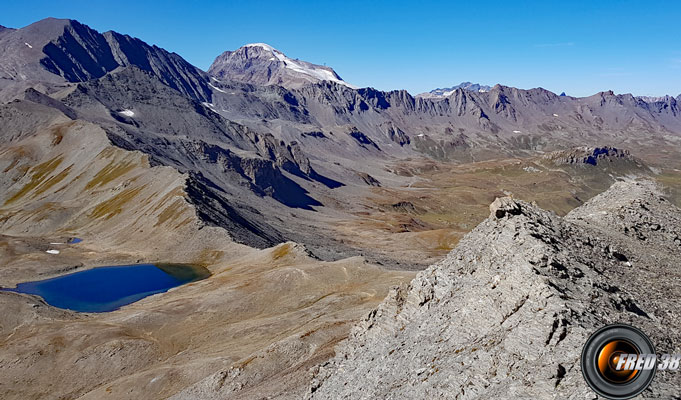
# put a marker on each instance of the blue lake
(109, 288)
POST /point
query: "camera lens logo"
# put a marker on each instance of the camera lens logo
(618, 362)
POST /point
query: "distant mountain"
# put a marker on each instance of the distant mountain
(444, 92)
(655, 99)
(264, 133)
(261, 64)
(55, 50)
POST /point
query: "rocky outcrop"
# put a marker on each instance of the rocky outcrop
(506, 314)
(589, 155)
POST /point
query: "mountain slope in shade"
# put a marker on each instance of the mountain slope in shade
(57, 50)
(261, 64)
(444, 92)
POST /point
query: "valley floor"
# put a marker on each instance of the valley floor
(264, 318)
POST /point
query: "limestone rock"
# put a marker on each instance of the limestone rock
(506, 314)
(503, 206)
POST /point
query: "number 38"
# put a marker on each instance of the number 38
(669, 362)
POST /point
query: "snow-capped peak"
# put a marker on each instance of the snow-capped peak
(445, 92)
(653, 99)
(317, 72)
(262, 45)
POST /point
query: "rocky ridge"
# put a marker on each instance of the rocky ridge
(57, 50)
(589, 155)
(506, 314)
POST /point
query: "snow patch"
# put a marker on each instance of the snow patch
(29, 46)
(261, 45)
(52, 251)
(517, 132)
(127, 113)
(57, 243)
(420, 135)
(296, 66)
(217, 88)
(555, 115)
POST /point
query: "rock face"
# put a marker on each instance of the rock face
(61, 49)
(261, 64)
(506, 314)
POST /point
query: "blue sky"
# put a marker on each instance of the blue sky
(580, 47)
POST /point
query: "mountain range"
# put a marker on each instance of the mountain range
(308, 198)
(259, 131)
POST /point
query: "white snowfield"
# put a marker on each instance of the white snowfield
(317, 73)
(127, 113)
(450, 92)
(52, 251)
(217, 88)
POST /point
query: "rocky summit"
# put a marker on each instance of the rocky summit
(262, 64)
(505, 315)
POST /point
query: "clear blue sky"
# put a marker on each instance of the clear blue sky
(580, 47)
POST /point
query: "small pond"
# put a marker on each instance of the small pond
(109, 288)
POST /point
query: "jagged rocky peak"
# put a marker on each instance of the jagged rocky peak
(59, 50)
(32, 52)
(507, 313)
(262, 64)
(446, 92)
(527, 97)
(589, 155)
